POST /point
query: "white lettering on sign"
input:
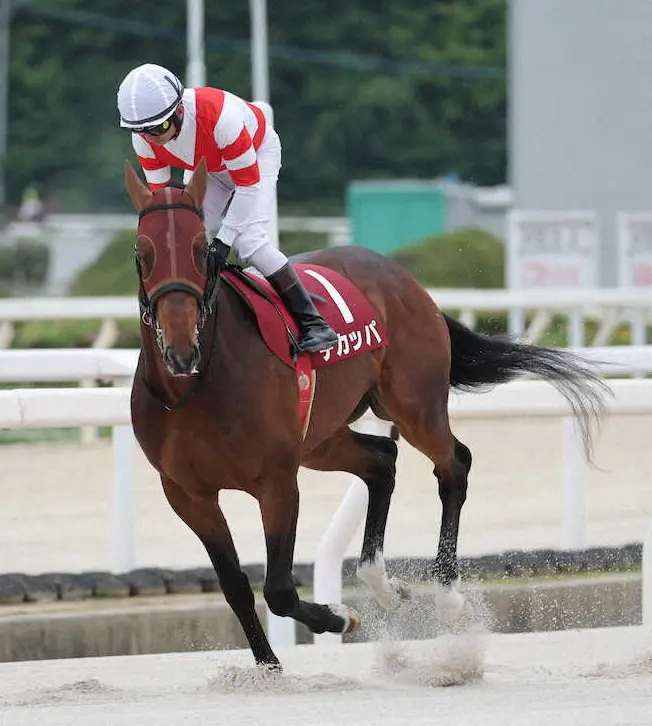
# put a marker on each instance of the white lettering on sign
(356, 338)
(353, 342)
(340, 303)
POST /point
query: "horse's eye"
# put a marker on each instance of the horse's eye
(146, 255)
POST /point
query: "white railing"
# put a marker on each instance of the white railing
(107, 309)
(82, 366)
(609, 306)
(75, 364)
(63, 407)
(117, 366)
(66, 365)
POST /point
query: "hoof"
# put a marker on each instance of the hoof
(271, 668)
(349, 615)
(401, 588)
(354, 621)
(388, 593)
(451, 605)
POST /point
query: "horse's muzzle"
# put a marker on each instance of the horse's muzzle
(181, 365)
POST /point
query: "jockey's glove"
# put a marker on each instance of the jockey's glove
(218, 251)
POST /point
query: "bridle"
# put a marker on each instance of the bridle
(207, 302)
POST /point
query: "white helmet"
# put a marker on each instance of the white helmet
(147, 96)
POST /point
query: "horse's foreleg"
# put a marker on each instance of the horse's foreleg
(279, 507)
(206, 519)
(373, 459)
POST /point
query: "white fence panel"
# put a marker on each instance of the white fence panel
(608, 305)
(65, 365)
(556, 298)
(68, 308)
(76, 364)
(61, 407)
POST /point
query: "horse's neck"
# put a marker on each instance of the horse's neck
(219, 344)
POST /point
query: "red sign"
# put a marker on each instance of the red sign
(642, 274)
(550, 274)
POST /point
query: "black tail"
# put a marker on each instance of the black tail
(478, 361)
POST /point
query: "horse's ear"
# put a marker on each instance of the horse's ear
(196, 187)
(139, 193)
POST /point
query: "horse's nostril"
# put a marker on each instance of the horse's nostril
(178, 363)
(173, 359)
(194, 358)
(167, 356)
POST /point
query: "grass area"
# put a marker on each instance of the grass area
(38, 436)
(45, 436)
(210, 599)
(561, 577)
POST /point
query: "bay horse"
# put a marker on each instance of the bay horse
(212, 408)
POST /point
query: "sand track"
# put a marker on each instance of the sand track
(57, 500)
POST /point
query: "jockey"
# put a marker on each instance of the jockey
(173, 126)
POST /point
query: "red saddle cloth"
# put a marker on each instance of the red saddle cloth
(339, 301)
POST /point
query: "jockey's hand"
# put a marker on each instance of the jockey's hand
(219, 251)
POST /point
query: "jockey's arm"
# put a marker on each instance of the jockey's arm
(156, 175)
(240, 159)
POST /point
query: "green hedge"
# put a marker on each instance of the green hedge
(295, 243)
(24, 263)
(463, 258)
(472, 258)
(467, 257)
(112, 273)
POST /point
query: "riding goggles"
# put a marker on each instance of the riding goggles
(157, 130)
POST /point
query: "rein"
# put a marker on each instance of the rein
(207, 307)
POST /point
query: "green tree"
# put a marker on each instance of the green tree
(360, 89)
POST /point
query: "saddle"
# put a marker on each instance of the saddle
(346, 309)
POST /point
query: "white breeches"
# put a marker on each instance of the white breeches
(251, 242)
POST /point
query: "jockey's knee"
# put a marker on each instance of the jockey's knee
(267, 259)
(251, 239)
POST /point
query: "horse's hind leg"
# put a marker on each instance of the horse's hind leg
(453, 481)
(417, 402)
(373, 459)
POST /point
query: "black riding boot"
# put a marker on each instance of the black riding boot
(314, 332)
